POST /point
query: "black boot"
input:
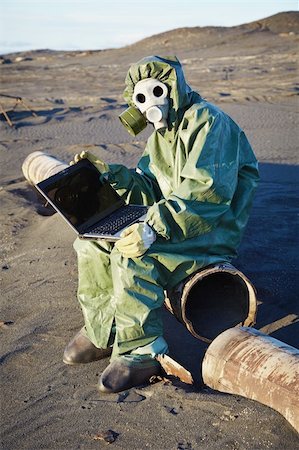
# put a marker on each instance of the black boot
(81, 350)
(128, 371)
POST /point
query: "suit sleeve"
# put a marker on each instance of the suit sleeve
(137, 186)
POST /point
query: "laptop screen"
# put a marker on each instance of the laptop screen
(80, 195)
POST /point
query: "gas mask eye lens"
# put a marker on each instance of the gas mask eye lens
(140, 98)
(158, 91)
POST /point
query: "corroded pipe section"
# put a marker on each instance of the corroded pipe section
(247, 362)
(38, 166)
(212, 300)
(172, 367)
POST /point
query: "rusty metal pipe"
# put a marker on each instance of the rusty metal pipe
(212, 300)
(246, 362)
(38, 166)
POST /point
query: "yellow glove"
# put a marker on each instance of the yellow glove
(135, 240)
(100, 165)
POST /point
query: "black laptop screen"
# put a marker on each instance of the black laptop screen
(80, 195)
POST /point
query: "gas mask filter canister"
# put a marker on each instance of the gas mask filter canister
(133, 120)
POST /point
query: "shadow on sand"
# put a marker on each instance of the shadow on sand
(269, 257)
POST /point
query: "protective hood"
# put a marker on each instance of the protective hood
(169, 71)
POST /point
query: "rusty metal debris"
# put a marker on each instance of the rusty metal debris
(38, 166)
(108, 436)
(5, 323)
(18, 100)
(212, 300)
(171, 367)
(246, 362)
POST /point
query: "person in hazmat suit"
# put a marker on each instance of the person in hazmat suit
(197, 175)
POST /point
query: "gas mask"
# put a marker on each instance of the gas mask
(150, 97)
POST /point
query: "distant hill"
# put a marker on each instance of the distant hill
(189, 37)
(284, 22)
(277, 34)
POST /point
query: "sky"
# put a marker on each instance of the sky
(100, 24)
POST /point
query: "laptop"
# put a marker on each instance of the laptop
(89, 204)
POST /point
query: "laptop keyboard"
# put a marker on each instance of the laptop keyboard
(118, 220)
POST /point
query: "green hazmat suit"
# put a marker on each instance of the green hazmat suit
(198, 177)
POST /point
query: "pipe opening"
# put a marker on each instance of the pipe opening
(215, 303)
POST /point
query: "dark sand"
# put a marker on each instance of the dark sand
(250, 72)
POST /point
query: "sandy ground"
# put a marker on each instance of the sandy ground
(77, 98)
